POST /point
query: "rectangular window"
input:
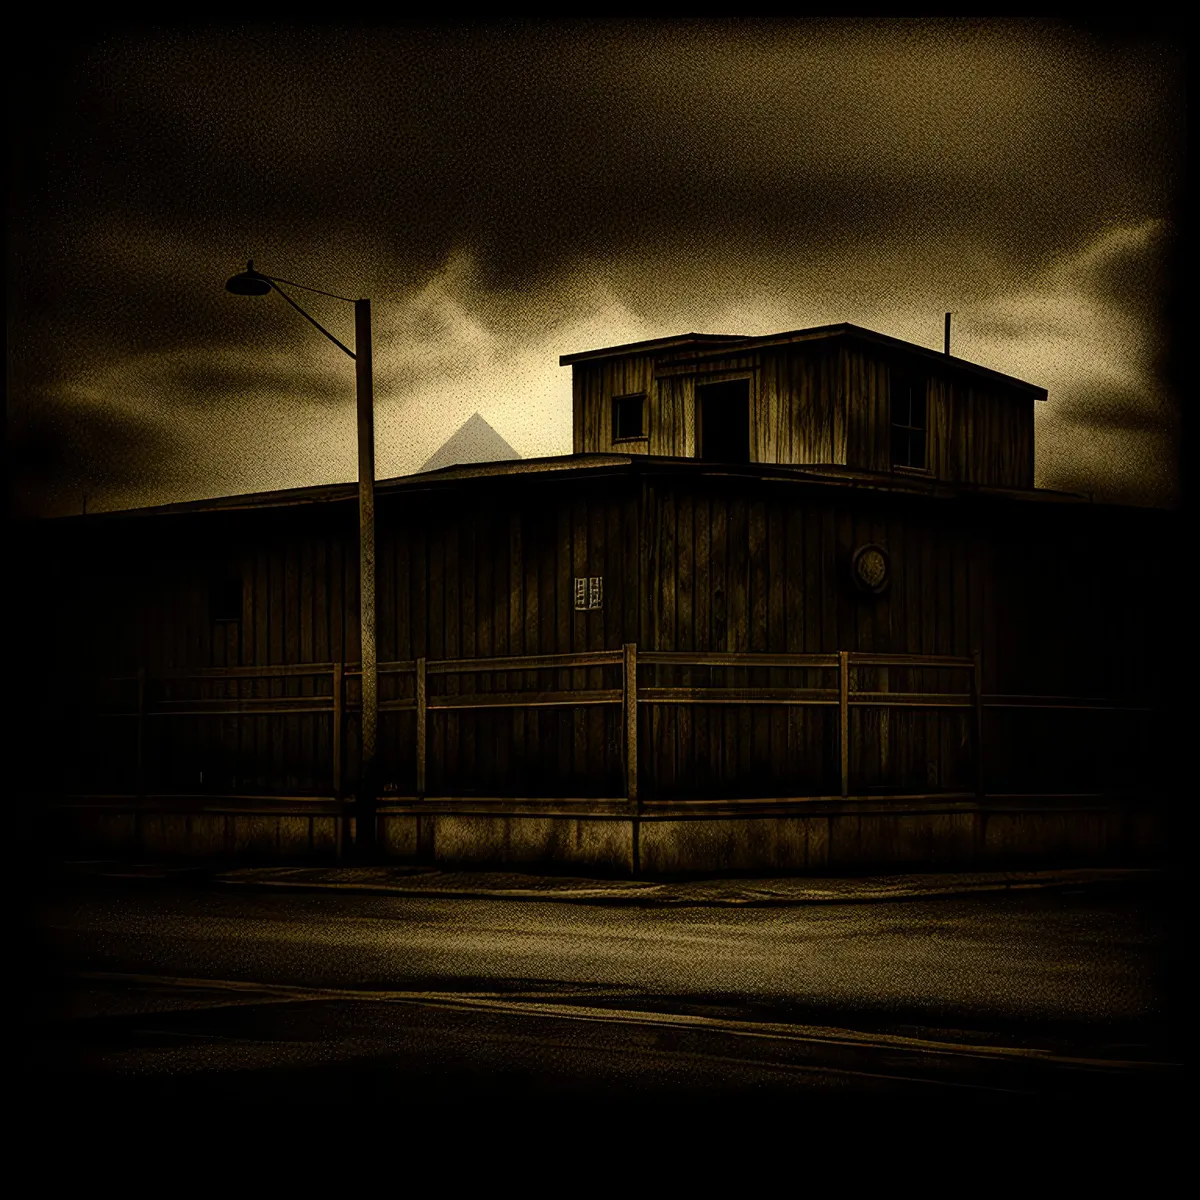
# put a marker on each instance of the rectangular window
(629, 418)
(225, 599)
(909, 426)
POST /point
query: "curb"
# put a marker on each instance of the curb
(667, 895)
(731, 893)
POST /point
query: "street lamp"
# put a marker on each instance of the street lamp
(254, 283)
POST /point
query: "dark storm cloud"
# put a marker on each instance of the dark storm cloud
(535, 144)
(515, 191)
(1114, 410)
(113, 454)
(197, 381)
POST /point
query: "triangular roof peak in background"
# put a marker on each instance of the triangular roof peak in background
(475, 441)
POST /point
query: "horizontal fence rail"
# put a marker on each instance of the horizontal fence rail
(842, 693)
(698, 658)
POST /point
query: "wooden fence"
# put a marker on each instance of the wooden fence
(960, 690)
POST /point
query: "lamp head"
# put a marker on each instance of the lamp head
(248, 282)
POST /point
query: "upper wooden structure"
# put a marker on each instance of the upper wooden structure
(837, 394)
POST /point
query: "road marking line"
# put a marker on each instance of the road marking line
(530, 1004)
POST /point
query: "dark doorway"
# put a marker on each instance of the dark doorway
(723, 421)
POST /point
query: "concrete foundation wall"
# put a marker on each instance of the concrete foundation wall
(611, 842)
(195, 835)
(603, 844)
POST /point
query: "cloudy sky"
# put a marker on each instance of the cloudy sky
(509, 193)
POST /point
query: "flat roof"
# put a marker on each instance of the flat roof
(664, 343)
(829, 475)
(717, 345)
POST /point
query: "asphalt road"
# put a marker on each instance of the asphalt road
(148, 991)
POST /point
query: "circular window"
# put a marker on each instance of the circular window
(871, 568)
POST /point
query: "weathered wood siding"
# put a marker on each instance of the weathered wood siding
(821, 402)
(460, 574)
(978, 433)
(489, 572)
(672, 430)
(801, 414)
(733, 566)
(670, 415)
(593, 386)
(147, 585)
(1058, 599)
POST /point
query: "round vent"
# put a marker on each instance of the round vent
(871, 569)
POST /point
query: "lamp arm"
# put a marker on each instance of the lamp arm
(313, 320)
(304, 287)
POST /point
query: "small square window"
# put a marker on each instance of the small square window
(629, 417)
(225, 600)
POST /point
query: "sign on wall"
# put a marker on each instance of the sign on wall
(589, 592)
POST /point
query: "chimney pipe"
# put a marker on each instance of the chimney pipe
(947, 333)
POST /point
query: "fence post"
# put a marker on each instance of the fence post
(140, 776)
(844, 717)
(977, 689)
(629, 709)
(421, 704)
(885, 726)
(140, 781)
(339, 715)
(630, 714)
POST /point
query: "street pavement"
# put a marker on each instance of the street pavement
(145, 990)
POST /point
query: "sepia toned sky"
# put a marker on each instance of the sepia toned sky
(506, 193)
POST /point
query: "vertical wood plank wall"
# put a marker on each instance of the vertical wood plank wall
(815, 403)
(734, 567)
(1059, 599)
(471, 574)
(977, 434)
(800, 416)
(593, 386)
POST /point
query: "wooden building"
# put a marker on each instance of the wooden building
(793, 603)
(838, 396)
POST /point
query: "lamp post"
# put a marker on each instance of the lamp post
(254, 283)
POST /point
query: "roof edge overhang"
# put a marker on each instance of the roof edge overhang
(654, 344)
(715, 346)
(338, 493)
(824, 477)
